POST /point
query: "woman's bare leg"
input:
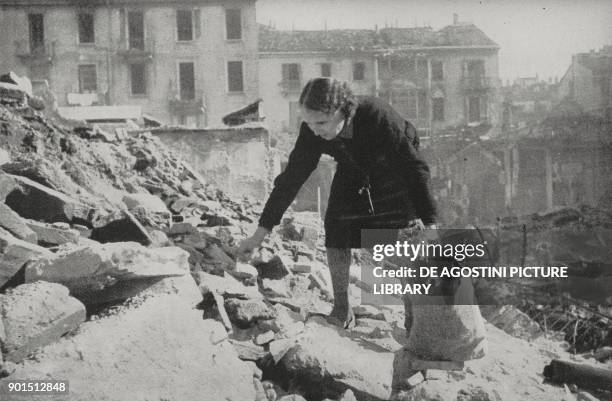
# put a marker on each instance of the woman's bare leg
(339, 261)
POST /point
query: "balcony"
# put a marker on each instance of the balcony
(476, 83)
(40, 55)
(405, 82)
(290, 85)
(136, 50)
(186, 107)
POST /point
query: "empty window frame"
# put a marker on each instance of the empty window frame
(138, 78)
(437, 70)
(326, 69)
(291, 72)
(184, 25)
(438, 109)
(86, 27)
(136, 32)
(88, 79)
(233, 23)
(359, 71)
(187, 81)
(235, 81)
(37, 32)
(474, 110)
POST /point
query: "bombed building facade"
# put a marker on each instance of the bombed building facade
(436, 79)
(587, 82)
(148, 53)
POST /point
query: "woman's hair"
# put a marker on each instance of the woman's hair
(328, 95)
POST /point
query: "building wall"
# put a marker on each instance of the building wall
(587, 90)
(210, 53)
(582, 86)
(234, 160)
(455, 103)
(277, 103)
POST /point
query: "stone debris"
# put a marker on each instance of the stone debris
(120, 227)
(514, 322)
(260, 392)
(23, 83)
(88, 269)
(264, 338)
(246, 313)
(244, 271)
(53, 234)
(158, 347)
(249, 351)
(149, 205)
(275, 288)
(347, 396)
(13, 93)
(15, 253)
(220, 305)
(159, 238)
(38, 202)
(279, 348)
(226, 285)
(274, 268)
(286, 324)
(35, 315)
(10, 221)
(321, 279)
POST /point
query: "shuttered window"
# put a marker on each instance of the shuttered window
(184, 25)
(86, 28)
(88, 80)
(233, 23)
(138, 78)
(234, 76)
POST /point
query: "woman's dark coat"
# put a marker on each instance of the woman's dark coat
(381, 152)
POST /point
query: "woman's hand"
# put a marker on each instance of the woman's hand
(247, 246)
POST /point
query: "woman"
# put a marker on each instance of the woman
(381, 181)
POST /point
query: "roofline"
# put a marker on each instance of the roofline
(376, 51)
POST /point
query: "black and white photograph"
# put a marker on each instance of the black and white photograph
(305, 200)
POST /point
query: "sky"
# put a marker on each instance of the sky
(535, 36)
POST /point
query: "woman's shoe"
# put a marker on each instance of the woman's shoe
(347, 323)
(333, 319)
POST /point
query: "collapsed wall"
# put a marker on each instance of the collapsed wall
(237, 159)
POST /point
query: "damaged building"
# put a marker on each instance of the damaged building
(237, 159)
(436, 79)
(587, 82)
(146, 53)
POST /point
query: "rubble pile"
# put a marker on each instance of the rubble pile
(118, 272)
(580, 306)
